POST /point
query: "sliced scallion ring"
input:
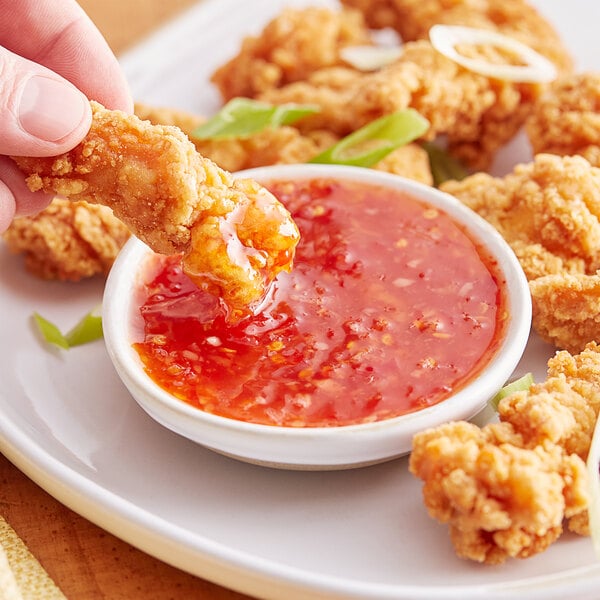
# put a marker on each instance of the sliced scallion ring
(370, 58)
(373, 142)
(535, 69)
(242, 117)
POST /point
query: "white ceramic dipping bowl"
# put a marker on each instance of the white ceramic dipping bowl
(315, 447)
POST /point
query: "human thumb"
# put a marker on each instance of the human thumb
(41, 114)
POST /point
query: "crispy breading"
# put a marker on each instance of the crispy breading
(566, 118)
(68, 241)
(549, 212)
(476, 114)
(234, 235)
(506, 488)
(566, 309)
(551, 206)
(413, 19)
(289, 48)
(283, 145)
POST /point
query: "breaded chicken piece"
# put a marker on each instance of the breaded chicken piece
(506, 488)
(550, 207)
(235, 236)
(290, 47)
(566, 118)
(566, 309)
(500, 500)
(549, 212)
(68, 241)
(476, 114)
(283, 145)
(413, 19)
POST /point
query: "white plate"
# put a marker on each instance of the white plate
(67, 421)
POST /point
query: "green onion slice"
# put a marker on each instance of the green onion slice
(443, 166)
(88, 329)
(50, 332)
(373, 142)
(242, 117)
(518, 385)
(593, 467)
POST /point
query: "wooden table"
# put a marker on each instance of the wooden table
(86, 562)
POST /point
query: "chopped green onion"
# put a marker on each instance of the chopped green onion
(518, 385)
(50, 332)
(373, 142)
(88, 329)
(242, 117)
(443, 166)
(593, 468)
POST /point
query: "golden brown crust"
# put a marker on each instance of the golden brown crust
(549, 212)
(235, 236)
(566, 309)
(551, 206)
(477, 114)
(516, 18)
(566, 118)
(283, 145)
(290, 47)
(506, 488)
(68, 241)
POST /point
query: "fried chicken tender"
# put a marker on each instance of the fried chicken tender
(290, 47)
(68, 241)
(283, 145)
(566, 118)
(476, 114)
(506, 488)
(234, 235)
(413, 19)
(549, 212)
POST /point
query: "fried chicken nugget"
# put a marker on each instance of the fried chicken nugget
(68, 241)
(290, 47)
(234, 235)
(476, 114)
(566, 118)
(413, 19)
(566, 309)
(506, 488)
(549, 207)
(549, 212)
(283, 145)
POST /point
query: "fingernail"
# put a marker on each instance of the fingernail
(50, 109)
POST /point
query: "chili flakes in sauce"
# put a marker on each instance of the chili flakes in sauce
(390, 308)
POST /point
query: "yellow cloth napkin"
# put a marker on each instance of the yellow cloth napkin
(22, 577)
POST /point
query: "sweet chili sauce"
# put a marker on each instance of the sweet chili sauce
(390, 308)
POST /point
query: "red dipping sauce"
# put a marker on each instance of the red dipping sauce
(390, 308)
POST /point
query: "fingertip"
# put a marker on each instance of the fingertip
(16, 199)
(54, 111)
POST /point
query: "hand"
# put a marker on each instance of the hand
(52, 59)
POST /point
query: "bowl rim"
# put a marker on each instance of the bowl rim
(118, 315)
